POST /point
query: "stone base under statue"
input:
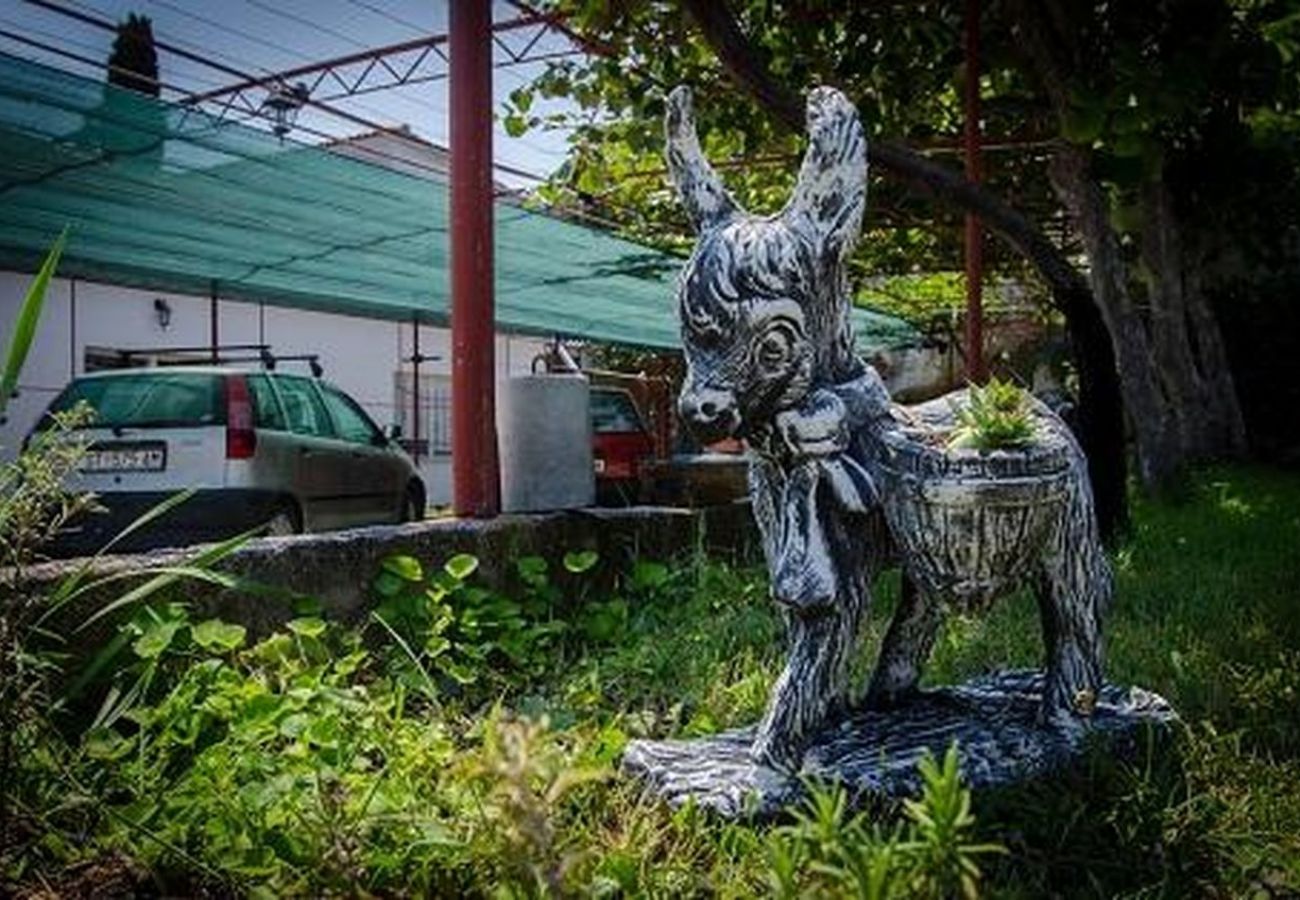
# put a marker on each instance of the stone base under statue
(874, 754)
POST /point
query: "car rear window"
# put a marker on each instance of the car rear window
(155, 399)
(613, 412)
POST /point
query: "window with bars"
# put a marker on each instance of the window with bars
(429, 432)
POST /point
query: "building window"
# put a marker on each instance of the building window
(429, 433)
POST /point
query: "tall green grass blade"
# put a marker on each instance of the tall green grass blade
(29, 316)
(68, 587)
(197, 568)
(430, 684)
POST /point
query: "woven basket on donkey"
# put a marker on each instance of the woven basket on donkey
(969, 524)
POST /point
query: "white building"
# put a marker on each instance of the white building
(368, 358)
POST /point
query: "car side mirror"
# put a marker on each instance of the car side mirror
(393, 432)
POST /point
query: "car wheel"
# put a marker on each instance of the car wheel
(413, 504)
(284, 522)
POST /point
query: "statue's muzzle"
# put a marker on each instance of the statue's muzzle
(710, 414)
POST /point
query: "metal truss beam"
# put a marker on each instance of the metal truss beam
(515, 42)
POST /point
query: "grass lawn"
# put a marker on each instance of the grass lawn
(465, 746)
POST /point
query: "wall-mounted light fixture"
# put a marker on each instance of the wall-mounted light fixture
(163, 311)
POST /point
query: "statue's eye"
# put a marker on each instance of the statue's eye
(774, 348)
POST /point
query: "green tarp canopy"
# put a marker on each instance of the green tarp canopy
(166, 197)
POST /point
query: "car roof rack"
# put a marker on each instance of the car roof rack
(219, 354)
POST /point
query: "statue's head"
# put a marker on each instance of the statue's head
(762, 300)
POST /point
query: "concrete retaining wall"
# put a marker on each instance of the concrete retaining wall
(337, 568)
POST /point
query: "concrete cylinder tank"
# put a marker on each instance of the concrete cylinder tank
(544, 423)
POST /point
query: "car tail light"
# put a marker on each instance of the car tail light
(241, 439)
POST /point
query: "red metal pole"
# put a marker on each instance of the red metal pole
(975, 368)
(476, 484)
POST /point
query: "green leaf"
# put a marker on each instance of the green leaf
(106, 744)
(351, 662)
(306, 606)
(388, 585)
(455, 671)
(580, 561)
(407, 568)
(309, 626)
(522, 98)
(649, 576)
(29, 316)
(532, 570)
(157, 638)
(295, 724)
(531, 566)
(219, 636)
(461, 566)
(516, 126)
(323, 731)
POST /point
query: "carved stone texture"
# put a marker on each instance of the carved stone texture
(770, 358)
(993, 719)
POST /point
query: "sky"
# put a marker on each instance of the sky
(266, 36)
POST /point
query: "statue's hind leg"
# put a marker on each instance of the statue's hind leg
(1073, 591)
(906, 647)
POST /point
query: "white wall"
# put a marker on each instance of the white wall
(359, 355)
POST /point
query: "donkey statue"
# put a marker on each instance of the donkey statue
(770, 355)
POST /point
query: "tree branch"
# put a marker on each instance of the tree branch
(746, 67)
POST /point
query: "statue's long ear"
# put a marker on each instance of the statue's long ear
(831, 193)
(706, 200)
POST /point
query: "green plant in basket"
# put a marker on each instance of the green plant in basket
(996, 417)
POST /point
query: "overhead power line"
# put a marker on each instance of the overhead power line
(308, 23)
(390, 16)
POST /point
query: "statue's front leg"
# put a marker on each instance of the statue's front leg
(814, 684)
(812, 551)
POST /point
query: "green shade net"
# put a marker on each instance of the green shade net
(166, 197)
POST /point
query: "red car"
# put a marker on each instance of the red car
(621, 443)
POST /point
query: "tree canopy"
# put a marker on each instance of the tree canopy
(1115, 139)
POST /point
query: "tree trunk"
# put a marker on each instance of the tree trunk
(1150, 415)
(1100, 398)
(1188, 344)
(1172, 365)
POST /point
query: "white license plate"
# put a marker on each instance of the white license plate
(125, 459)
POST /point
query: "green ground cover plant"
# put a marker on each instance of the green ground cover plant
(464, 742)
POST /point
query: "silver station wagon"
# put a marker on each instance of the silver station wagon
(291, 452)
